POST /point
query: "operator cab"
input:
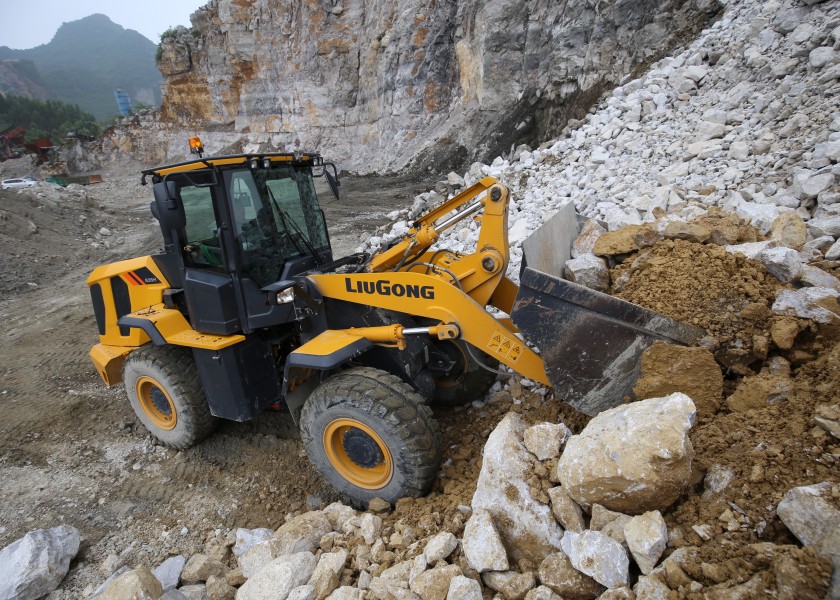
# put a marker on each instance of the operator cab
(233, 225)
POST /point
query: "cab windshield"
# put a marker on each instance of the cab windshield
(276, 217)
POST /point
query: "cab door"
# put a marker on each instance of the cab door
(208, 287)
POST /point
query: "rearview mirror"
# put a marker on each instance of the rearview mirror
(332, 178)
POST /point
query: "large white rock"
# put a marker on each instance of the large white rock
(632, 458)
(510, 584)
(750, 249)
(646, 536)
(482, 544)
(544, 440)
(139, 584)
(810, 514)
(346, 592)
(599, 556)
(327, 573)
(589, 234)
(565, 510)
(35, 564)
(245, 538)
(339, 514)
(805, 303)
(589, 270)
(278, 578)
(302, 533)
(782, 263)
(169, 572)
(434, 584)
(439, 547)
(816, 277)
(556, 572)
(541, 593)
(526, 525)
(463, 588)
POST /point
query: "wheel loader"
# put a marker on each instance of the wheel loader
(245, 308)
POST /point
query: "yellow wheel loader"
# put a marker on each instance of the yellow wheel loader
(245, 307)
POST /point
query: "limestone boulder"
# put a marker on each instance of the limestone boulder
(565, 510)
(510, 584)
(557, 573)
(646, 537)
(439, 547)
(632, 458)
(807, 303)
(544, 440)
(598, 556)
(277, 579)
(302, 533)
(590, 271)
(434, 583)
(783, 263)
(346, 592)
(245, 538)
(482, 545)
(35, 564)
(526, 526)
(541, 593)
(327, 573)
(589, 234)
(810, 513)
(463, 588)
(169, 572)
(139, 584)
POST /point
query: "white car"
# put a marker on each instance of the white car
(17, 182)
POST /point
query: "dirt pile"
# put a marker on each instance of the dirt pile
(728, 295)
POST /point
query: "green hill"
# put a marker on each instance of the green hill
(90, 58)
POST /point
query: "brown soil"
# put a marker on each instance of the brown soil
(727, 295)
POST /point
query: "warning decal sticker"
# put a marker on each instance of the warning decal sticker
(502, 345)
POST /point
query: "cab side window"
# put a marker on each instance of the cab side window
(202, 247)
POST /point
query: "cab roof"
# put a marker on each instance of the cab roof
(299, 158)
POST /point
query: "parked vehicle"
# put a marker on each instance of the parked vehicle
(17, 182)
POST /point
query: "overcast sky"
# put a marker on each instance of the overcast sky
(30, 23)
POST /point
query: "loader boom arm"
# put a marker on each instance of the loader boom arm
(450, 287)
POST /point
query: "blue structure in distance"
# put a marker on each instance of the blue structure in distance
(123, 102)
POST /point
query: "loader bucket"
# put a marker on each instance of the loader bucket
(591, 343)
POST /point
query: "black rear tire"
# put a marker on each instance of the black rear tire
(164, 389)
(370, 435)
(470, 381)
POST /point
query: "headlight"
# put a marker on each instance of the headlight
(286, 296)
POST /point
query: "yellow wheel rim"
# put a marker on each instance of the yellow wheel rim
(156, 403)
(358, 454)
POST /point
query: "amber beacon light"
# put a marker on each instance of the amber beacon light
(196, 147)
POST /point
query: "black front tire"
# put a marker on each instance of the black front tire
(370, 435)
(164, 389)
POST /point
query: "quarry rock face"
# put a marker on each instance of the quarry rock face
(375, 85)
